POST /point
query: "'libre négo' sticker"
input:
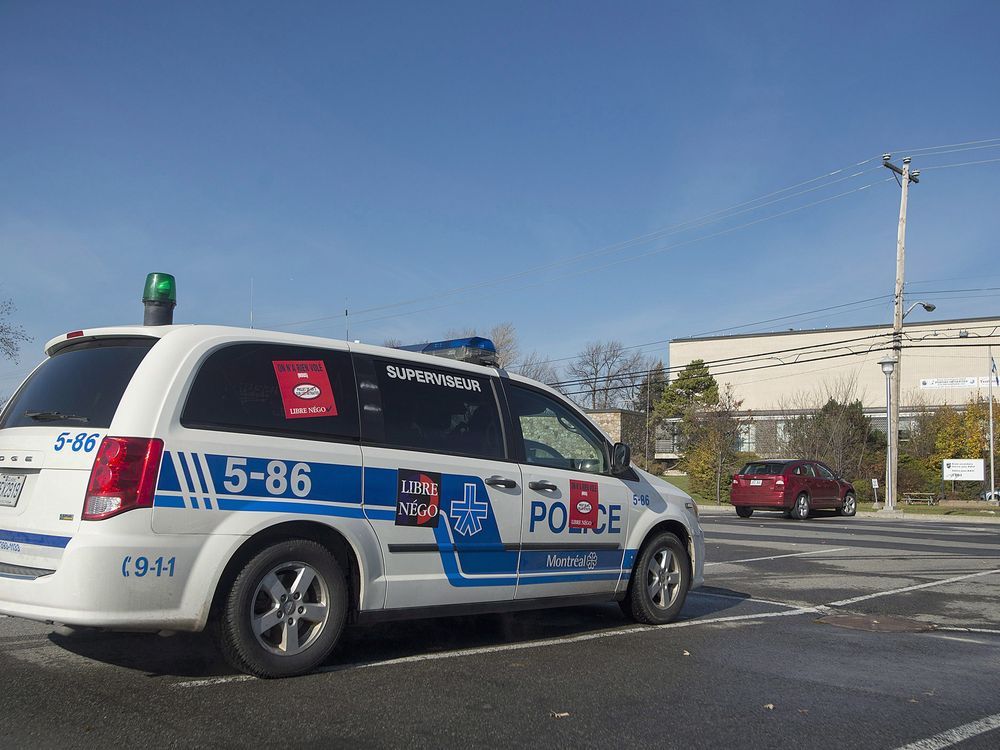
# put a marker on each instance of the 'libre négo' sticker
(583, 497)
(305, 388)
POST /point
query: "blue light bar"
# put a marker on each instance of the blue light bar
(474, 349)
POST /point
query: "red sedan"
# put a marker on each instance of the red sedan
(793, 486)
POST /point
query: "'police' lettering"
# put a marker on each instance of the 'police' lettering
(555, 515)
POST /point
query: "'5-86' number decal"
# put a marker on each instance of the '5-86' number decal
(276, 481)
(79, 442)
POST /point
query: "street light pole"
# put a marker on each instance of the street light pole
(892, 458)
(888, 365)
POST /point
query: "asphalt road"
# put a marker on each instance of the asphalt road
(830, 633)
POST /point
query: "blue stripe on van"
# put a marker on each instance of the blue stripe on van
(41, 540)
(380, 487)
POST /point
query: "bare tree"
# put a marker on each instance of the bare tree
(392, 343)
(504, 338)
(535, 367)
(11, 334)
(829, 424)
(609, 375)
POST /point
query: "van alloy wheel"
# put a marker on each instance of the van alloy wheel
(659, 582)
(663, 578)
(284, 611)
(290, 608)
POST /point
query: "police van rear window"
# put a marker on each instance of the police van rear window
(276, 389)
(81, 385)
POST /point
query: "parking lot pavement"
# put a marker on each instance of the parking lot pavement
(825, 634)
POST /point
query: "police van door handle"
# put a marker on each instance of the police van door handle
(542, 485)
(498, 481)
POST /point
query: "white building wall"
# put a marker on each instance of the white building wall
(791, 380)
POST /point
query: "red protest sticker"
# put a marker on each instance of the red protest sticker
(582, 504)
(305, 388)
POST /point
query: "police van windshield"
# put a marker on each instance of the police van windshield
(79, 385)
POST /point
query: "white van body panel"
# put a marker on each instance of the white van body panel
(158, 568)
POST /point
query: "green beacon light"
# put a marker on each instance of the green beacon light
(159, 298)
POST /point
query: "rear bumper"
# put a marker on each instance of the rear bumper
(120, 582)
(760, 499)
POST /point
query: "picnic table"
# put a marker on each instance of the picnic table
(928, 498)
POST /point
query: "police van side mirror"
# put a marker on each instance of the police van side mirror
(621, 458)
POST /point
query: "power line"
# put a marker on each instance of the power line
(960, 164)
(664, 248)
(727, 361)
(761, 356)
(705, 220)
(873, 350)
(913, 151)
(734, 372)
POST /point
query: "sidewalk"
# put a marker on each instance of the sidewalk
(726, 510)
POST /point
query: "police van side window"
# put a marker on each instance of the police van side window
(276, 389)
(416, 407)
(553, 435)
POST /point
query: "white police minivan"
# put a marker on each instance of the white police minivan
(275, 486)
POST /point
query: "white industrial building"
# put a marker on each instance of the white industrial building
(782, 374)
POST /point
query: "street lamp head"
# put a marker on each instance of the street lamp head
(888, 365)
(928, 306)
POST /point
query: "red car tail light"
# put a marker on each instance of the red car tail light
(123, 477)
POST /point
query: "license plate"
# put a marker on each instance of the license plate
(10, 488)
(756, 482)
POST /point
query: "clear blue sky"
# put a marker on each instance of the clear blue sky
(379, 152)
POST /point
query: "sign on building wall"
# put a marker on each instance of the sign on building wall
(954, 382)
(970, 470)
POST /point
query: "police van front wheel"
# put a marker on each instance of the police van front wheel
(660, 581)
(284, 611)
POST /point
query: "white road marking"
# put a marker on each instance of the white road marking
(515, 646)
(962, 640)
(930, 584)
(776, 557)
(970, 630)
(956, 735)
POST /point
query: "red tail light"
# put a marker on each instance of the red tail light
(123, 477)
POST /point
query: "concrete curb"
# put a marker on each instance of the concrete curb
(726, 510)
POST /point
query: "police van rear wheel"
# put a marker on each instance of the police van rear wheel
(284, 611)
(660, 581)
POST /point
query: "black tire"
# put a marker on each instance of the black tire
(744, 512)
(639, 603)
(800, 511)
(850, 505)
(250, 600)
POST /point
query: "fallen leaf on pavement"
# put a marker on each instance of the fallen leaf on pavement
(687, 653)
(558, 714)
(769, 706)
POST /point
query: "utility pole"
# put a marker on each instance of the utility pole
(892, 459)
